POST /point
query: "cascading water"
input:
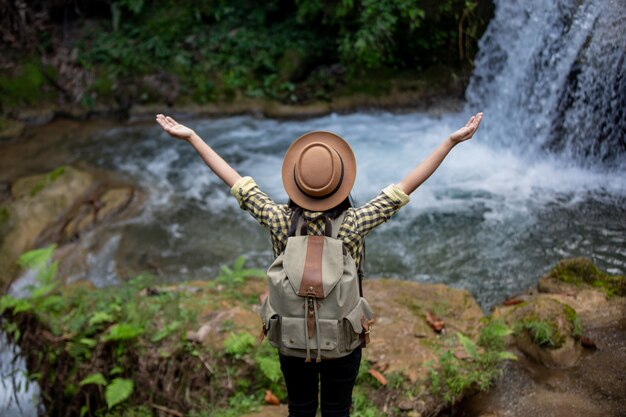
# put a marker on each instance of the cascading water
(552, 73)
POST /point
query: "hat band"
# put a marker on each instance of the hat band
(295, 180)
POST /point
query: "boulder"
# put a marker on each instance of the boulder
(546, 330)
(55, 207)
(598, 298)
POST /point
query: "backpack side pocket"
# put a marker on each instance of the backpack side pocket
(353, 324)
(271, 323)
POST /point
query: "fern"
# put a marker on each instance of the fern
(238, 274)
(469, 346)
(123, 331)
(269, 366)
(240, 344)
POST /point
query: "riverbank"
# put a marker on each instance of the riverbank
(436, 91)
(191, 349)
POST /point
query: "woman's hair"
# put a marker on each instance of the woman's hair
(334, 212)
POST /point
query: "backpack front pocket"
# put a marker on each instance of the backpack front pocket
(294, 334)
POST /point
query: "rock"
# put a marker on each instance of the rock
(97, 210)
(399, 309)
(405, 404)
(10, 129)
(56, 207)
(546, 330)
(37, 202)
(213, 331)
(581, 272)
(36, 116)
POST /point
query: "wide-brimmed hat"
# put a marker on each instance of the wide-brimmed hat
(319, 170)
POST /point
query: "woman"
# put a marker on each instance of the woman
(318, 173)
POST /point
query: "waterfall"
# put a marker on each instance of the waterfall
(551, 77)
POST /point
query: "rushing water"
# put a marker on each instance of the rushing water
(491, 219)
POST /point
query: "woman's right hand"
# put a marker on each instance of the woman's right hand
(174, 128)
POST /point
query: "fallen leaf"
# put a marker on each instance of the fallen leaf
(434, 322)
(270, 398)
(379, 377)
(588, 343)
(512, 301)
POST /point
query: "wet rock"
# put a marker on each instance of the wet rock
(56, 207)
(97, 210)
(572, 274)
(10, 129)
(594, 294)
(37, 116)
(546, 330)
(37, 202)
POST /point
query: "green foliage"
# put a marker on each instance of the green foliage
(239, 344)
(269, 366)
(451, 376)
(362, 406)
(86, 319)
(492, 335)
(541, 332)
(577, 325)
(22, 87)
(123, 331)
(470, 347)
(118, 391)
(48, 179)
(166, 331)
(220, 50)
(231, 277)
(96, 378)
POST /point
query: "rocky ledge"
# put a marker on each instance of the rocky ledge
(189, 347)
(59, 207)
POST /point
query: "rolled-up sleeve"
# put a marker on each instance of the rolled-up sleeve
(269, 214)
(380, 209)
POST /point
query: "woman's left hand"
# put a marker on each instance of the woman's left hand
(467, 131)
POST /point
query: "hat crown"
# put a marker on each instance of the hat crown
(319, 170)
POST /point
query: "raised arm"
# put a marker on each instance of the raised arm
(210, 157)
(429, 165)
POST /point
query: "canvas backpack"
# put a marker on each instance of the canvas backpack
(315, 306)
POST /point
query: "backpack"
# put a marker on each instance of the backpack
(315, 304)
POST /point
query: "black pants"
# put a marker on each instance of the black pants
(337, 377)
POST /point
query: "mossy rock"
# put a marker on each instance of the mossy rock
(546, 330)
(57, 207)
(582, 272)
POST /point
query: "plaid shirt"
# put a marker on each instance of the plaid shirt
(357, 223)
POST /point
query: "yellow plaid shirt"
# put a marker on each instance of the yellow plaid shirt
(357, 222)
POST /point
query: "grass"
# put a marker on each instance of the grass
(104, 344)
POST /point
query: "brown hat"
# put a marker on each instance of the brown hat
(319, 170)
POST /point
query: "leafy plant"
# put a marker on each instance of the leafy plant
(239, 344)
(541, 333)
(96, 378)
(117, 391)
(231, 277)
(452, 376)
